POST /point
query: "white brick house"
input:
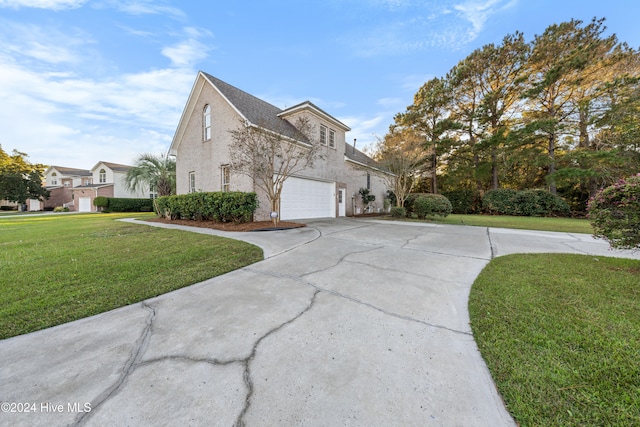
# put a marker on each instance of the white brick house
(202, 141)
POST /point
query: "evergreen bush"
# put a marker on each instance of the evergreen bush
(398, 212)
(499, 201)
(614, 213)
(431, 204)
(464, 201)
(233, 206)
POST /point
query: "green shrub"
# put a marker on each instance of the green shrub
(101, 202)
(217, 206)
(499, 201)
(119, 204)
(431, 204)
(464, 201)
(539, 203)
(60, 209)
(614, 213)
(8, 208)
(409, 201)
(398, 212)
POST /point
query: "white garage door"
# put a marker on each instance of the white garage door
(84, 204)
(306, 198)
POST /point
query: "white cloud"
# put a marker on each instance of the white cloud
(411, 26)
(189, 51)
(146, 7)
(50, 45)
(477, 12)
(43, 4)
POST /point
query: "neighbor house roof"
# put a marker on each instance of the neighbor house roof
(255, 110)
(113, 166)
(71, 171)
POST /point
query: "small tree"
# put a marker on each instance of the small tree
(401, 153)
(270, 155)
(155, 172)
(367, 197)
(19, 179)
(614, 213)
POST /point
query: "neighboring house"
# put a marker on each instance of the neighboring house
(202, 140)
(77, 188)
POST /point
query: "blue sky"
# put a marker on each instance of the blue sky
(83, 81)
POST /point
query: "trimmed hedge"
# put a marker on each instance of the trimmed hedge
(431, 204)
(101, 202)
(614, 213)
(409, 202)
(464, 201)
(398, 212)
(234, 206)
(500, 201)
(120, 204)
(506, 201)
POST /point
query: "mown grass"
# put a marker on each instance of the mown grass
(560, 335)
(568, 225)
(58, 268)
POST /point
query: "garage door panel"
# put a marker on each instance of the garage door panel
(84, 204)
(306, 198)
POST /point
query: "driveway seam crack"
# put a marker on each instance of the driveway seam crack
(247, 362)
(357, 301)
(128, 368)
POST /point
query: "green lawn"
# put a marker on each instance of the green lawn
(569, 225)
(560, 334)
(58, 268)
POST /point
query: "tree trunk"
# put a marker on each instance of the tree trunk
(552, 164)
(494, 169)
(434, 180)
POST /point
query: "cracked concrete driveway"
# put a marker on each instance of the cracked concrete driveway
(346, 322)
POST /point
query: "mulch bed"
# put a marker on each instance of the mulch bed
(229, 226)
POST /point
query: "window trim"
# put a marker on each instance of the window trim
(192, 182)
(368, 181)
(102, 176)
(332, 138)
(206, 123)
(323, 135)
(225, 178)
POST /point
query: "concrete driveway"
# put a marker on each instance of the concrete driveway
(346, 322)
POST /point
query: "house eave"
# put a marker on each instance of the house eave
(307, 105)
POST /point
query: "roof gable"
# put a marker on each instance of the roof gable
(314, 109)
(115, 167)
(253, 109)
(69, 171)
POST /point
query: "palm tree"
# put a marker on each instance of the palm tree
(156, 172)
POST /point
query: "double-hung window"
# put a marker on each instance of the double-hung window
(226, 177)
(103, 176)
(323, 135)
(206, 123)
(332, 138)
(192, 182)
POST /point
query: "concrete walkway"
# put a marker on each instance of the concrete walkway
(346, 322)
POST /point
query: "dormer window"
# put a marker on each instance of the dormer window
(323, 135)
(206, 123)
(103, 176)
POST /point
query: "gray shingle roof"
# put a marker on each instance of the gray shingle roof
(356, 155)
(257, 111)
(117, 167)
(72, 171)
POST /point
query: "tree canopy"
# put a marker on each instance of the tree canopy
(158, 173)
(19, 179)
(560, 112)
